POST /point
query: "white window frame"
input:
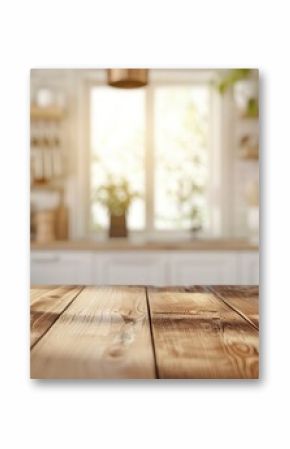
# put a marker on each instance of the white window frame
(219, 169)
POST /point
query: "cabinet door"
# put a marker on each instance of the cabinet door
(203, 268)
(249, 268)
(62, 267)
(129, 268)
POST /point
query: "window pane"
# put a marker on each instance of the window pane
(117, 148)
(181, 156)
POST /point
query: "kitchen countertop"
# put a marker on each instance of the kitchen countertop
(131, 245)
(194, 332)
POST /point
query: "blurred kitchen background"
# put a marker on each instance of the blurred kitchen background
(144, 176)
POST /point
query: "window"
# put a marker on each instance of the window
(117, 144)
(157, 138)
(181, 158)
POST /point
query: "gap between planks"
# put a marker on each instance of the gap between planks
(151, 333)
(37, 340)
(235, 309)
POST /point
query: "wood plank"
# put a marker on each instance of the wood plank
(40, 290)
(46, 305)
(243, 299)
(104, 333)
(197, 336)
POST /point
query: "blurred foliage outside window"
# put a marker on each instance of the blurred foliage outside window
(179, 166)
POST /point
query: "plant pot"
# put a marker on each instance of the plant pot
(118, 226)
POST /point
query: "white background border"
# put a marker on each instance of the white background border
(161, 34)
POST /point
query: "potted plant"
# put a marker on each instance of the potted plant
(242, 78)
(187, 194)
(231, 78)
(117, 198)
(196, 219)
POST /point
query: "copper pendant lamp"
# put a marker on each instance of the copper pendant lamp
(127, 78)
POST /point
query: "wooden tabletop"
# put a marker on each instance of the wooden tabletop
(145, 332)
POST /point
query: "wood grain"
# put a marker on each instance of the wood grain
(37, 291)
(243, 299)
(104, 333)
(196, 335)
(46, 305)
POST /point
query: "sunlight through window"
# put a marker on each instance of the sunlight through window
(181, 156)
(117, 141)
(177, 165)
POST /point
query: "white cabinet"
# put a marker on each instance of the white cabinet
(248, 268)
(203, 268)
(60, 267)
(131, 268)
(145, 267)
